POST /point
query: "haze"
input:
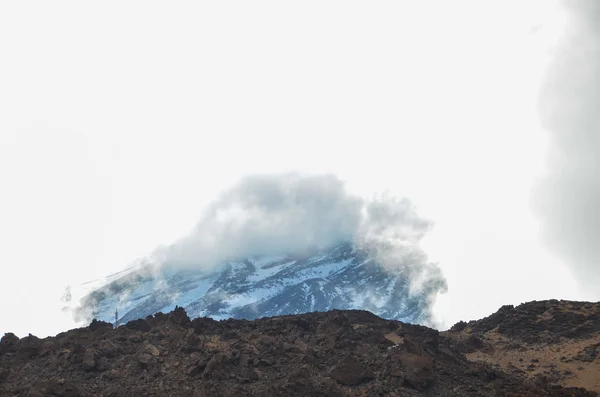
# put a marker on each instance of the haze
(121, 123)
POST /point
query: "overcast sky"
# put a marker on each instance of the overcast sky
(120, 121)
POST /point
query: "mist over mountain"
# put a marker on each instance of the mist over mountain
(284, 244)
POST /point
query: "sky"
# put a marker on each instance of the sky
(120, 123)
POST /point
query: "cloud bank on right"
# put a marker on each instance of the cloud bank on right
(567, 198)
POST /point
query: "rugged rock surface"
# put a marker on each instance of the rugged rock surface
(336, 353)
(557, 341)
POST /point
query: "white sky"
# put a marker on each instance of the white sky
(120, 120)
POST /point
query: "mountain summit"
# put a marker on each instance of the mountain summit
(344, 276)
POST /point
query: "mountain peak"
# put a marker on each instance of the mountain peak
(344, 276)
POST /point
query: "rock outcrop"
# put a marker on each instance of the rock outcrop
(552, 341)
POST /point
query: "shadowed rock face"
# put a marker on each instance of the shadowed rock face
(337, 353)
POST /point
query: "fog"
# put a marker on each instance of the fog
(567, 199)
(296, 213)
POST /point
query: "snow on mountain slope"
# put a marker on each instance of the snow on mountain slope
(342, 277)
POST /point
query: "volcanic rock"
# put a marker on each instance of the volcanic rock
(349, 371)
(337, 353)
(553, 343)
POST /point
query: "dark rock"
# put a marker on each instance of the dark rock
(4, 374)
(350, 372)
(249, 373)
(111, 375)
(179, 317)
(28, 347)
(196, 369)
(474, 342)
(418, 370)
(89, 360)
(526, 323)
(96, 325)
(139, 325)
(213, 364)
(589, 353)
(334, 324)
(54, 388)
(102, 364)
(146, 361)
(9, 338)
(110, 349)
(459, 326)
(135, 338)
(284, 356)
(7, 343)
(265, 362)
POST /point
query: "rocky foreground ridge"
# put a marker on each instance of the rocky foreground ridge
(547, 348)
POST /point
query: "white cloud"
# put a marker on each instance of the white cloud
(271, 214)
(274, 214)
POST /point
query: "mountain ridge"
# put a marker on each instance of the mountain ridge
(344, 276)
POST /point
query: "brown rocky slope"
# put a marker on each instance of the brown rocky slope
(338, 353)
(558, 341)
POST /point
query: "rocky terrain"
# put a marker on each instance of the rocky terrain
(522, 351)
(558, 341)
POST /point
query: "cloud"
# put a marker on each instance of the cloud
(292, 213)
(567, 200)
(392, 229)
(269, 214)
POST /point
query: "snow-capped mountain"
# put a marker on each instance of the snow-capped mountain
(342, 277)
